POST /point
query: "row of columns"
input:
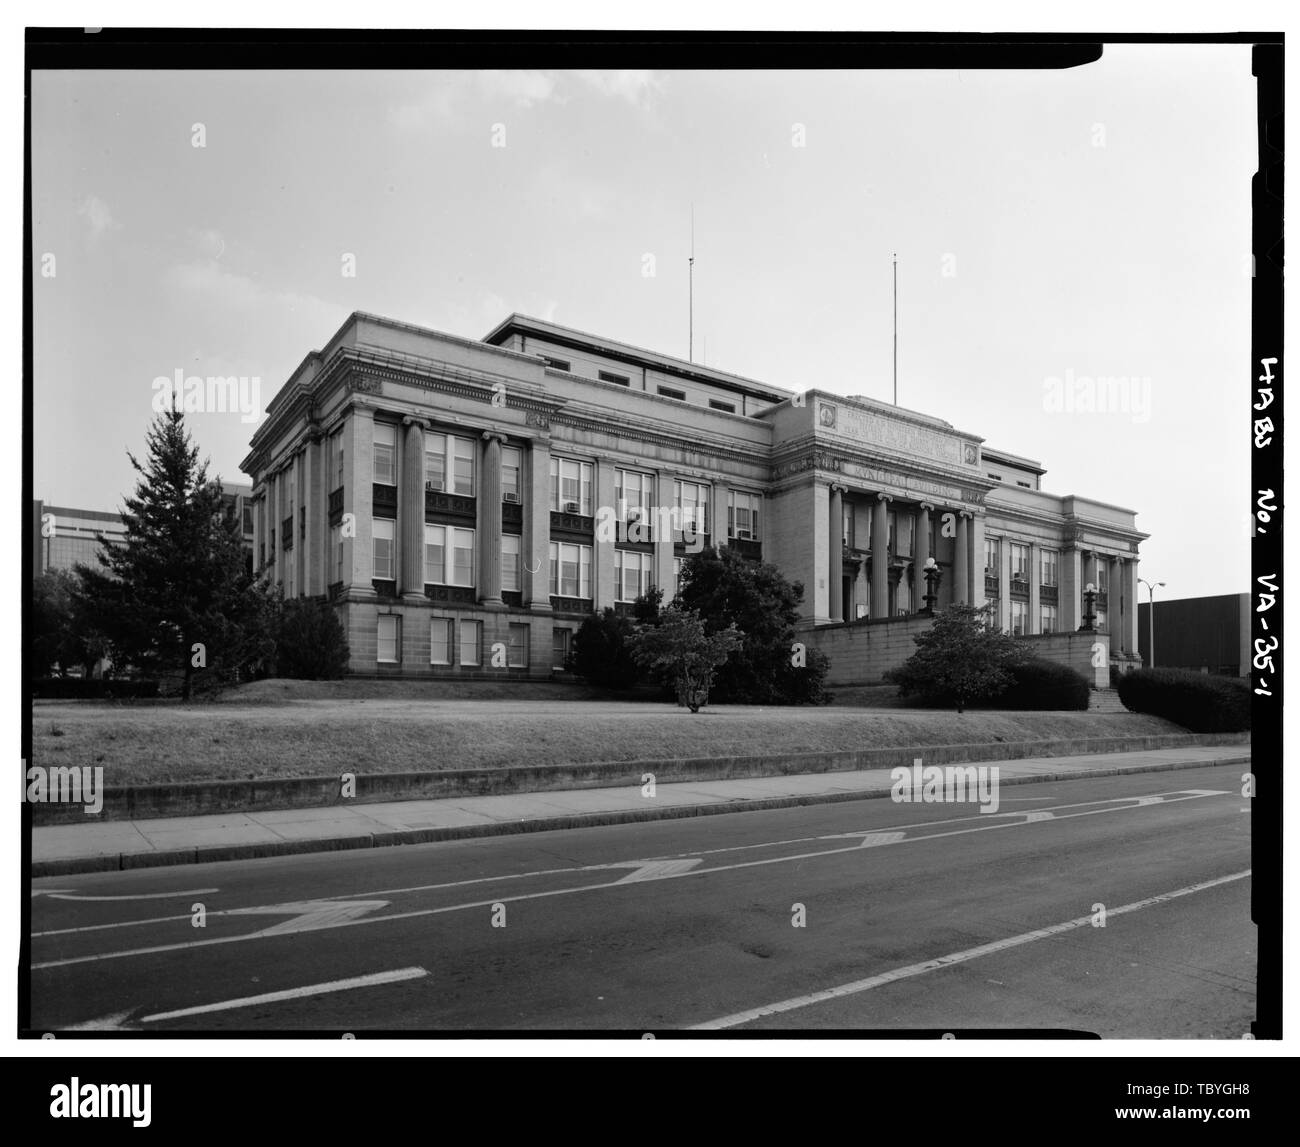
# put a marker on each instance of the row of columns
(879, 583)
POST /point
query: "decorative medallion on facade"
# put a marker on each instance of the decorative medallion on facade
(538, 419)
(360, 384)
(826, 415)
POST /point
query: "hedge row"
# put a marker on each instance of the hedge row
(1198, 701)
(1038, 684)
(91, 688)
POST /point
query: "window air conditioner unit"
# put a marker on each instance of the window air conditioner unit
(432, 486)
(511, 496)
(744, 535)
(570, 507)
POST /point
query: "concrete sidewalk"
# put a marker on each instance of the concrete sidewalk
(111, 845)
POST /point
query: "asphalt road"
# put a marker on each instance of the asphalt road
(865, 915)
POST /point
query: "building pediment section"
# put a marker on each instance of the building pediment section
(907, 483)
(856, 425)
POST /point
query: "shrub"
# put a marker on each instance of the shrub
(1039, 684)
(1197, 701)
(311, 643)
(727, 590)
(602, 653)
(958, 661)
(93, 688)
(678, 651)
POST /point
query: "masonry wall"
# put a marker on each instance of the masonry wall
(861, 651)
(1078, 651)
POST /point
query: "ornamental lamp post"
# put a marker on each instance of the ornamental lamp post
(933, 575)
(1089, 608)
(1151, 617)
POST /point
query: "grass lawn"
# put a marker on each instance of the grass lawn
(322, 729)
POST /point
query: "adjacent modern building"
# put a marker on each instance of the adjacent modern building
(63, 537)
(467, 504)
(1205, 634)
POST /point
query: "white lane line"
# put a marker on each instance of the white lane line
(371, 981)
(739, 1018)
(421, 912)
(60, 895)
(1128, 802)
(872, 839)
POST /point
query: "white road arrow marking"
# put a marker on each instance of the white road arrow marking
(371, 981)
(654, 869)
(308, 915)
(872, 839)
(113, 1023)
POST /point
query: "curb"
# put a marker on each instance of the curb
(114, 862)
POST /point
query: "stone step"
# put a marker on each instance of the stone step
(1105, 701)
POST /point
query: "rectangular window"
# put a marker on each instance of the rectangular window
(511, 468)
(634, 501)
(555, 363)
(390, 631)
(902, 527)
(1019, 562)
(1048, 568)
(383, 548)
(673, 392)
(248, 519)
(633, 574)
(846, 526)
(1047, 620)
(469, 642)
(617, 379)
(385, 454)
(517, 647)
(1019, 617)
(1103, 576)
(729, 407)
(679, 564)
(571, 486)
(691, 501)
(449, 464)
(440, 641)
(511, 576)
(992, 557)
(336, 552)
(570, 570)
(560, 648)
(742, 515)
(336, 448)
(448, 555)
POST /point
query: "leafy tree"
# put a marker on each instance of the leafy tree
(311, 642)
(679, 650)
(177, 597)
(601, 653)
(61, 634)
(959, 659)
(728, 590)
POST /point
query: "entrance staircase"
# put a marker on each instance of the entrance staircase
(1105, 701)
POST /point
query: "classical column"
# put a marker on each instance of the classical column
(1131, 618)
(410, 512)
(537, 526)
(920, 551)
(602, 572)
(660, 516)
(313, 497)
(358, 500)
(880, 556)
(1002, 614)
(1033, 623)
(836, 573)
(1069, 597)
(1114, 606)
(489, 522)
(961, 561)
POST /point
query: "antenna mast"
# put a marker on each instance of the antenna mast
(895, 328)
(690, 344)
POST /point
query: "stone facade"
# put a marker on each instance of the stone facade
(466, 504)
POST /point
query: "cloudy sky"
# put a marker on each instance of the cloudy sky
(1049, 226)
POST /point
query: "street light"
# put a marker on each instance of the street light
(1151, 617)
(1089, 610)
(932, 576)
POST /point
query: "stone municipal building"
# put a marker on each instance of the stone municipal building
(450, 497)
